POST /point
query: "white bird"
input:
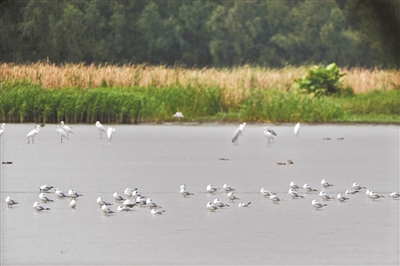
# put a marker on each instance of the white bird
(128, 191)
(156, 211)
(73, 195)
(10, 202)
(183, 186)
(368, 192)
(45, 188)
(227, 188)
(102, 202)
(296, 129)
(178, 115)
(44, 198)
(141, 201)
(325, 196)
(211, 207)
(62, 133)
(220, 204)
(294, 194)
(185, 193)
(274, 198)
(135, 194)
(72, 204)
(357, 186)
(151, 204)
(351, 191)
(325, 184)
(270, 134)
(117, 197)
(33, 133)
(129, 204)
(106, 210)
(394, 195)
(244, 204)
(238, 132)
(294, 186)
(211, 189)
(266, 193)
(317, 205)
(101, 128)
(232, 197)
(121, 208)
(2, 129)
(60, 194)
(66, 128)
(341, 198)
(39, 207)
(308, 188)
(375, 196)
(110, 131)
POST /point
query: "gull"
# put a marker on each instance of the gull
(211, 206)
(351, 191)
(211, 189)
(308, 188)
(244, 204)
(101, 128)
(156, 211)
(33, 133)
(135, 194)
(66, 128)
(128, 191)
(266, 193)
(44, 198)
(2, 129)
(294, 194)
(274, 198)
(110, 131)
(394, 195)
(121, 208)
(60, 194)
(269, 133)
(183, 186)
(151, 204)
(73, 195)
(325, 184)
(220, 204)
(367, 192)
(72, 204)
(294, 186)
(62, 133)
(178, 115)
(232, 197)
(325, 196)
(141, 201)
(375, 196)
(106, 210)
(227, 188)
(45, 188)
(185, 193)
(129, 204)
(341, 198)
(101, 202)
(357, 186)
(317, 205)
(10, 202)
(117, 197)
(238, 132)
(296, 129)
(39, 207)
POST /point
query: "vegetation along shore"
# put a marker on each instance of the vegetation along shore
(77, 93)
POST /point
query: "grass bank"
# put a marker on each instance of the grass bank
(31, 102)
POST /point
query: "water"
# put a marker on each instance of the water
(157, 159)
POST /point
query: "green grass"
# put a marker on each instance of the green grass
(26, 102)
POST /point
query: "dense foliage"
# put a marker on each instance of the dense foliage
(199, 32)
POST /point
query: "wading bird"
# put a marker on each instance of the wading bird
(238, 132)
(101, 128)
(33, 133)
(296, 129)
(110, 131)
(270, 134)
(62, 133)
(2, 129)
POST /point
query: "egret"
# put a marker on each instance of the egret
(110, 131)
(2, 129)
(179, 115)
(66, 128)
(62, 133)
(296, 129)
(317, 205)
(10, 202)
(33, 133)
(101, 128)
(269, 133)
(238, 132)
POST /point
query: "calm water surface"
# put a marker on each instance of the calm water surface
(157, 159)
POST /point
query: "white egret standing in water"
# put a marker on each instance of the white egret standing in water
(62, 133)
(179, 115)
(2, 129)
(269, 133)
(101, 128)
(33, 133)
(238, 132)
(296, 129)
(66, 128)
(110, 131)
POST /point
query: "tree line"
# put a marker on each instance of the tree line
(202, 33)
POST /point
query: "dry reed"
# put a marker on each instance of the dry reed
(236, 82)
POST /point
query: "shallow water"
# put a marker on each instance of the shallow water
(157, 159)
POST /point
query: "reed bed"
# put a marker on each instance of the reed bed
(236, 82)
